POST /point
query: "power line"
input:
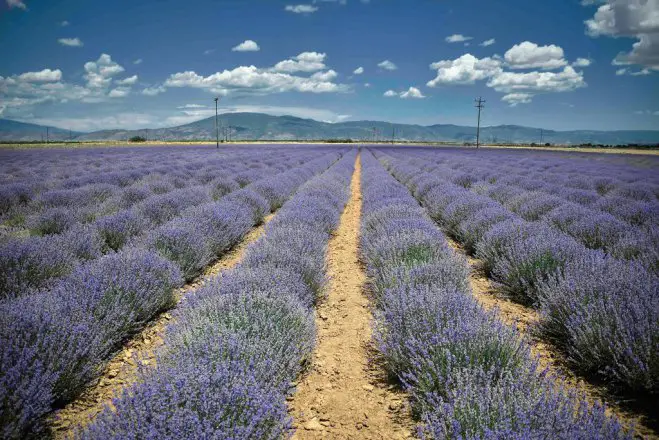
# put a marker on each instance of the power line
(479, 105)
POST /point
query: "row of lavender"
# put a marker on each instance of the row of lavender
(54, 342)
(604, 212)
(469, 375)
(28, 189)
(29, 263)
(602, 311)
(236, 345)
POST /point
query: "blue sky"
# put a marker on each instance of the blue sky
(564, 64)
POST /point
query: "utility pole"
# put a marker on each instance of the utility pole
(393, 135)
(47, 135)
(217, 129)
(541, 136)
(146, 134)
(479, 105)
(375, 134)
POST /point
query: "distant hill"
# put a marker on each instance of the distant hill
(258, 126)
(21, 131)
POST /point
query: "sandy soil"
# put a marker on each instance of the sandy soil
(345, 394)
(122, 369)
(491, 297)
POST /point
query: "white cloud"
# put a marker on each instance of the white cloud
(387, 65)
(457, 38)
(71, 42)
(528, 55)
(153, 91)
(465, 70)
(247, 46)
(582, 62)
(64, 23)
(16, 4)
(301, 9)
(630, 18)
(100, 72)
(367, 84)
(138, 61)
(325, 76)
(513, 82)
(647, 112)
(412, 92)
(131, 80)
(209, 51)
(254, 80)
(304, 62)
(515, 99)
(628, 71)
(186, 106)
(119, 92)
(43, 76)
(489, 42)
(358, 70)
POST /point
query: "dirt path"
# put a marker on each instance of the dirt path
(344, 396)
(122, 369)
(511, 313)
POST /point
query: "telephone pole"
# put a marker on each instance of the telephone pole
(47, 135)
(393, 135)
(541, 135)
(375, 134)
(217, 129)
(479, 105)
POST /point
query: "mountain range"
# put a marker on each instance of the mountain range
(259, 126)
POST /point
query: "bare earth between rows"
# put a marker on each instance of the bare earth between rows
(525, 318)
(345, 395)
(122, 370)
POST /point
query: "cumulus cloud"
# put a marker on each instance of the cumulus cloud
(119, 92)
(70, 42)
(465, 70)
(16, 4)
(247, 46)
(99, 73)
(412, 93)
(358, 71)
(138, 61)
(301, 9)
(528, 55)
(254, 80)
(153, 91)
(43, 76)
(630, 18)
(510, 82)
(64, 23)
(582, 62)
(131, 80)
(304, 62)
(515, 99)
(457, 38)
(519, 87)
(489, 42)
(387, 65)
(325, 76)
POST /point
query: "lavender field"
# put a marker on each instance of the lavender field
(189, 292)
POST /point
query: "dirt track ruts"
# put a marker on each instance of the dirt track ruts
(346, 395)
